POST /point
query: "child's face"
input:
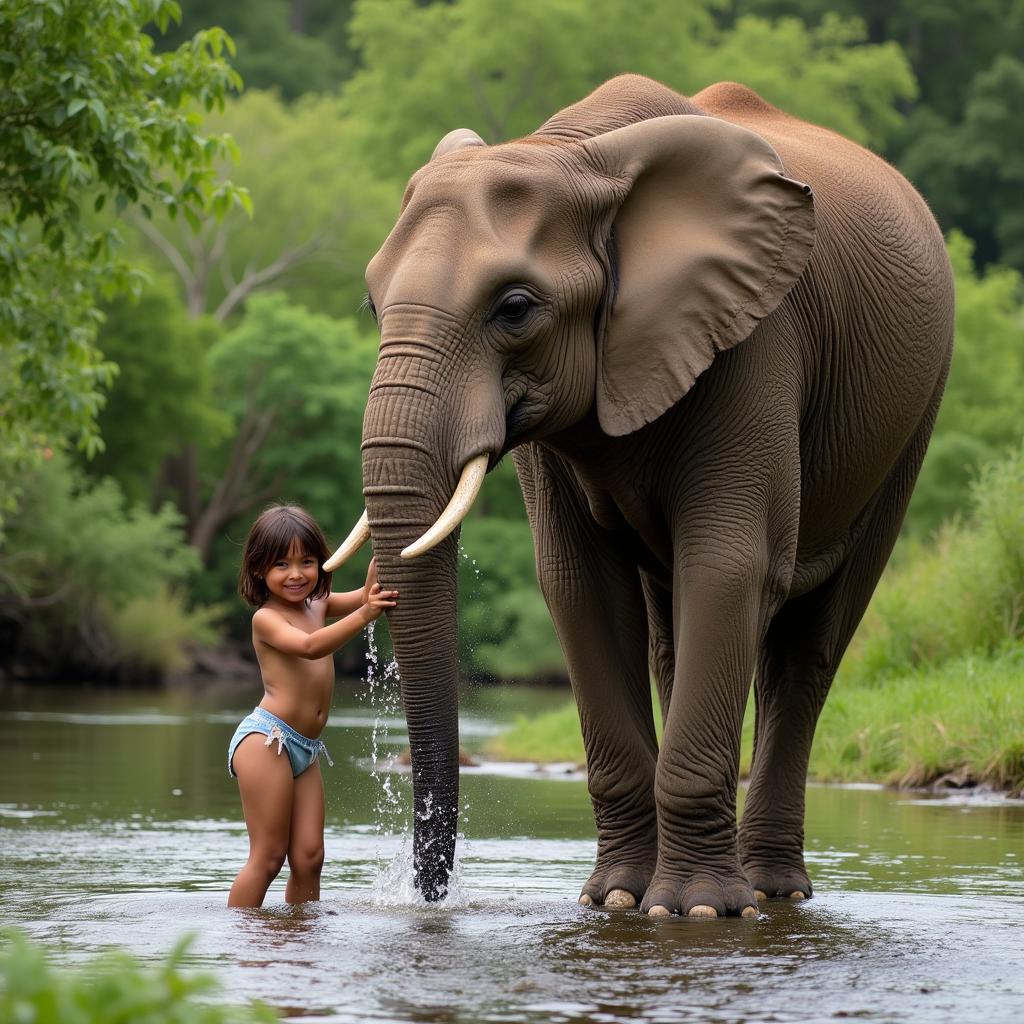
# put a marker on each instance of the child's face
(293, 577)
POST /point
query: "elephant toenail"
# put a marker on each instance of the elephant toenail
(659, 911)
(620, 898)
(797, 896)
(749, 912)
(759, 895)
(586, 900)
(702, 911)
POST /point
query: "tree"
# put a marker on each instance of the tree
(946, 42)
(162, 397)
(294, 384)
(88, 113)
(294, 46)
(319, 213)
(981, 416)
(319, 216)
(502, 67)
(91, 585)
(826, 74)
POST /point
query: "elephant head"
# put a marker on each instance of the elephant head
(525, 289)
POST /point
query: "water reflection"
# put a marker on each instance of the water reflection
(119, 826)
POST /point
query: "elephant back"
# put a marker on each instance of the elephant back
(621, 101)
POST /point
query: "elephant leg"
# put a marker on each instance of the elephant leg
(717, 615)
(800, 655)
(594, 594)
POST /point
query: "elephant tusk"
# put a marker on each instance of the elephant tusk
(353, 542)
(473, 474)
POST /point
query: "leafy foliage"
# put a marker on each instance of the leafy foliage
(321, 213)
(461, 64)
(162, 398)
(294, 46)
(77, 559)
(824, 74)
(505, 628)
(973, 170)
(961, 594)
(981, 413)
(225, 399)
(88, 113)
(294, 384)
(111, 989)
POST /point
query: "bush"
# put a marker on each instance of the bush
(962, 594)
(112, 989)
(152, 633)
(95, 585)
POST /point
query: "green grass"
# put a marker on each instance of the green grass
(112, 989)
(965, 717)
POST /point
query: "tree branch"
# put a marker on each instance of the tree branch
(170, 252)
(253, 279)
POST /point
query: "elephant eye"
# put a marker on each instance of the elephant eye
(514, 309)
(368, 304)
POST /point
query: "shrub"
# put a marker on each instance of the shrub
(961, 594)
(112, 989)
(79, 571)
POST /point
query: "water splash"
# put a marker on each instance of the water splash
(394, 884)
(384, 695)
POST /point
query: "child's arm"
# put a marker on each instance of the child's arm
(275, 631)
(343, 603)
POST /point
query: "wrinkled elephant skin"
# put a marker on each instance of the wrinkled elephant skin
(715, 339)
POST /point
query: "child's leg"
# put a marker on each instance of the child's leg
(266, 786)
(306, 847)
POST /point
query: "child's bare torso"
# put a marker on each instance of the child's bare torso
(297, 690)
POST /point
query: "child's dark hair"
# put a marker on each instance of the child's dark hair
(269, 540)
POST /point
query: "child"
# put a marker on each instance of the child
(282, 577)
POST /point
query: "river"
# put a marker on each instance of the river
(120, 828)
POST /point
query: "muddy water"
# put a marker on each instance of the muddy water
(119, 827)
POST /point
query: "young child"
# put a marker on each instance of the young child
(275, 751)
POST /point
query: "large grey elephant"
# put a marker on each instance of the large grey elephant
(715, 339)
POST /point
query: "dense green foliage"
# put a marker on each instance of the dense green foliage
(460, 64)
(163, 398)
(88, 113)
(225, 398)
(91, 585)
(112, 989)
(982, 413)
(293, 384)
(960, 593)
(295, 46)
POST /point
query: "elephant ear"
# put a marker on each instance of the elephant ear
(709, 236)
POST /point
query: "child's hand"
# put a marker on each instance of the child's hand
(371, 578)
(377, 600)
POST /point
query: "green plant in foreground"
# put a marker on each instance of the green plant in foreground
(112, 989)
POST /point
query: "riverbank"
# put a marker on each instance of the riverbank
(961, 724)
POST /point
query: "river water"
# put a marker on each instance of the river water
(119, 827)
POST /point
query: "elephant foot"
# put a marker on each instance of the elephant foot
(779, 881)
(701, 894)
(619, 888)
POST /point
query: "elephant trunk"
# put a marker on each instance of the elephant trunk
(406, 487)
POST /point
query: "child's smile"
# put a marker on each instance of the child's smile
(293, 577)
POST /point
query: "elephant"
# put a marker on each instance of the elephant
(714, 339)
